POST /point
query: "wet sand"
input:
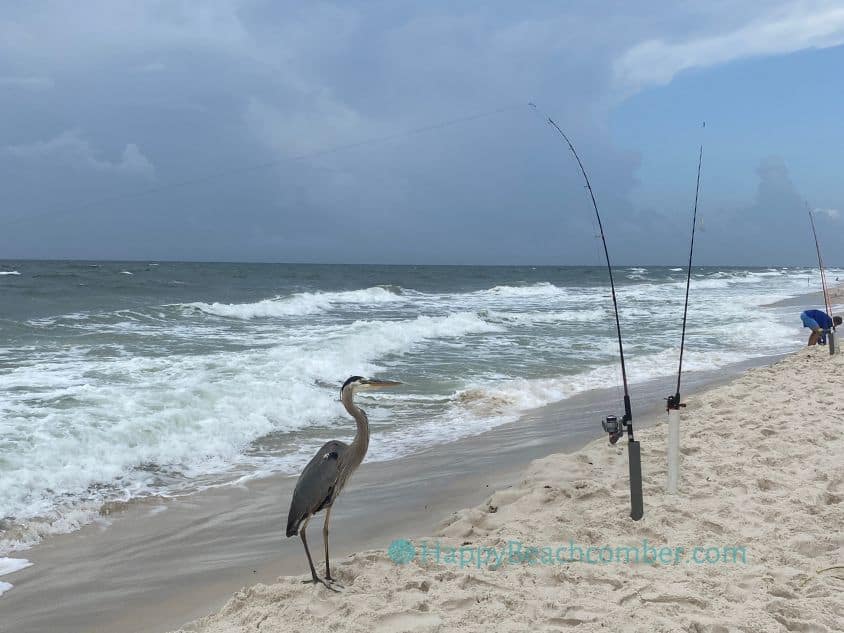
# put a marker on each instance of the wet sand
(160, 563)
(813, 299)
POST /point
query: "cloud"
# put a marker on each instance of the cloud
(33, 83)
(71, 148)
(772, 229)
(67, 34)
(318, 121)
(152, 67)
(208, 89)
(657, 62)
(833, 214)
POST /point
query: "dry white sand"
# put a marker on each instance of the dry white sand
(762, 469)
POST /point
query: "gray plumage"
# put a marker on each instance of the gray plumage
(329, 470)
(317, 486)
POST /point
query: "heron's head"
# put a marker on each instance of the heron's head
(359, 383)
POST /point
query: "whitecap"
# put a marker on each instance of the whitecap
(191, 417)
(539, 290)
(298, 304)
(10, 566)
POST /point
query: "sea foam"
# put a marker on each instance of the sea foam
(10, 566)
(298, 304)
(170, 398)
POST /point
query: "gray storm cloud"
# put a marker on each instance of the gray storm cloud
(191, 120)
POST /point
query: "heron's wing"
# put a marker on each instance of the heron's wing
(315, 487)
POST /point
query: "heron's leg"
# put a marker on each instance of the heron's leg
(314, 578)
(325, 542)
(307, 551)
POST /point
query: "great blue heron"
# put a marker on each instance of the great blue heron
(328, 471)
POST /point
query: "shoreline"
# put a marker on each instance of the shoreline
(813, 298)
(161, 563)
(761, 475)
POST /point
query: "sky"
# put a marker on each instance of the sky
(387, 132)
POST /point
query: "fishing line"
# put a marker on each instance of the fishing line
(820, 265)
(611, 424)
(674, 401)
(598, 254)
(234, 171)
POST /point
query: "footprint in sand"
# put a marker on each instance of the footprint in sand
(831, 499)
(765, 484)
(715, 528)
(408, 621)
(788, 615)
(812, 546)
(575, 617)
(419, 585)
(707, 627)
(687, 600)
(459, 604)
(586, 489)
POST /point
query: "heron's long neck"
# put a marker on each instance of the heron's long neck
(360, 444)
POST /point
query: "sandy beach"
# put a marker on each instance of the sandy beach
(753, 542)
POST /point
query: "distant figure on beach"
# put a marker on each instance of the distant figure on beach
(819, 322)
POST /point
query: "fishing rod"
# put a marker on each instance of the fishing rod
(611, 424)
(826, 301)
(820, 261)
(673, 402)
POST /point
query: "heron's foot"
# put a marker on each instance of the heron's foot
(317, 579)
(333, 582)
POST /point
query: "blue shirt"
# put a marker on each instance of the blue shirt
(821, 317)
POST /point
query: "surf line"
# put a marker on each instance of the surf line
(611, 424)
(826, 301)
(673, 402)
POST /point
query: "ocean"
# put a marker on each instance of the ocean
(122, 380)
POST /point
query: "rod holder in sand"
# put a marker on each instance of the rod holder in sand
(673, 450)
(616, 429)
(634, 464)
(830, 337)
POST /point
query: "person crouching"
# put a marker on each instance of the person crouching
(820, 323)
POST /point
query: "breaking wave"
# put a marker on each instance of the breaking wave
(300, 304)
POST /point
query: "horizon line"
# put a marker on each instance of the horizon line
(480, 265)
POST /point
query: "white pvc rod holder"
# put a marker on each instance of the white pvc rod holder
(673, 450)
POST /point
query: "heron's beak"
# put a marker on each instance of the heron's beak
(379, 384)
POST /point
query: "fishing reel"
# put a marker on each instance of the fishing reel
(672, 403)
(614, 427)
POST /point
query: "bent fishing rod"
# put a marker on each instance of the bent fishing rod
(674, 402)
(826, 301)
(611, 424)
